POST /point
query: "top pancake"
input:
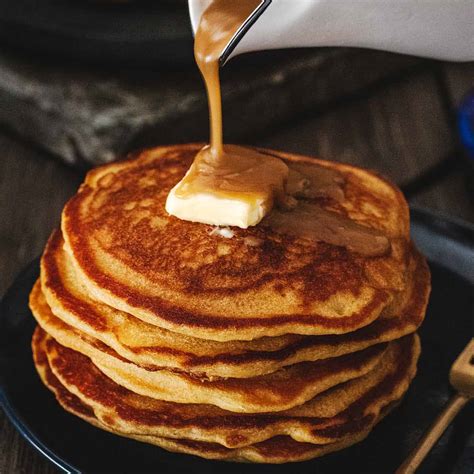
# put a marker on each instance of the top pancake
(178, 275)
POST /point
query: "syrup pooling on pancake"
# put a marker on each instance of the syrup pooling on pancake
(312, 220)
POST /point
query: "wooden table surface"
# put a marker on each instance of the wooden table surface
(404, 128)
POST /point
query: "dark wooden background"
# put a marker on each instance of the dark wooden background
(403, 127)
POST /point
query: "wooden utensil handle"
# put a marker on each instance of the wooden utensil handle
(416, 457)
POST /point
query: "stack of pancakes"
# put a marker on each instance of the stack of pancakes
(244, 345)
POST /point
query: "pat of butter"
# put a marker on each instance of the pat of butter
(210, 208)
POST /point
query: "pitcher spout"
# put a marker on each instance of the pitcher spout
(433, 28)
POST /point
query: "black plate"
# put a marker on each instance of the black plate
(75, 446)
(140, 32)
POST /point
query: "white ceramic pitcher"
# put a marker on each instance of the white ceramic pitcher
(442, 29)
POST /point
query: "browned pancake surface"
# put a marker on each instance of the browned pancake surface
(154, 347)
(279, 449)
(280, 390)
(125, 411)
(176, 275)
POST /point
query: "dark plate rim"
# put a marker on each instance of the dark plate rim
(22, 426)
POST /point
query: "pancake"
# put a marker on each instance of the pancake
(275, 450)
(278, 450)
(150, 346)
(262, 344)
(183, 277)
(354, 405)
(284, 389)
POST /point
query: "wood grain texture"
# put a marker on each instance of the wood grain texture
(400, 129)
(33, 190)
(93, 115)
(459, 79)
(434, 433)
(17, 456)
(449, 197)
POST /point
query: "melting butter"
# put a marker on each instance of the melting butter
(237, 188)
(237, 173)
